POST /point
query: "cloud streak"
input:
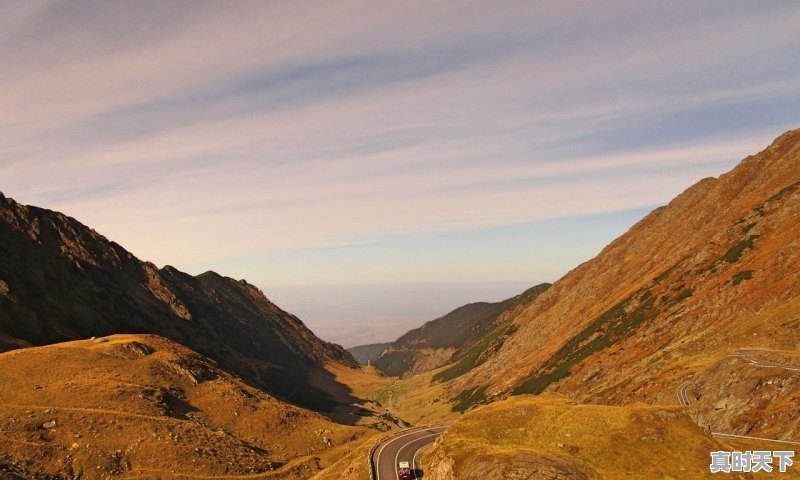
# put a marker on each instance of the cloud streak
(200, 132)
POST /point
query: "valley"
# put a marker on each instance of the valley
(678, 339)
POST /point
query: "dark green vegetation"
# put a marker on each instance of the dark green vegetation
(736, 251)
(742, 276)
(609, 328)
(686, 293)
(63, 281)
(475, 330)
(396, 362)
(454, 329)
(368, 354)
(477, 352)
(787, 189)
(625, 317)
(469, 398)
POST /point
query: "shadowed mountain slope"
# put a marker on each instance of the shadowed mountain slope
(368, 354)
(451, 336)
(60, 280)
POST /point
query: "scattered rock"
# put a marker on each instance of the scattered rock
(130, 350)
(50, 424)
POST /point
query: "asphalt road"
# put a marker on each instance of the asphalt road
(683, 397)
(744, 355)
(403, 448)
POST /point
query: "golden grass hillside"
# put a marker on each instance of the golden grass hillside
(549, 437)
(141, 406)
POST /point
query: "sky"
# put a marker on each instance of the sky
(372, 165)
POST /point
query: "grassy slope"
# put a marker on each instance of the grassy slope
(141, 406)
(549, 434)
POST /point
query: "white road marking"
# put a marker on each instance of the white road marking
(397, 456)
(683, 398)
(730, 435)
(380, 450)
(762, 363)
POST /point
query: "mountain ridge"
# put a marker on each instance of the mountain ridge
(444, 339)
(684, 327)
(713, 263)
(61, 280)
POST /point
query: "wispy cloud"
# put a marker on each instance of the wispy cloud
(200, 131)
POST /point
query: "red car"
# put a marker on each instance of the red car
(404, 471)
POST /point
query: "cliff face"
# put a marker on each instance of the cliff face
(60, 280)
(713, 272)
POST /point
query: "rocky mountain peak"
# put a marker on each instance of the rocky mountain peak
(64, 281)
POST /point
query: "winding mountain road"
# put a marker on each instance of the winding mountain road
(683, 397)
(402, 448)
(744, 354)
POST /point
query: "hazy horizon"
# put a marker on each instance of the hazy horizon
(381, 309)
(325, 150)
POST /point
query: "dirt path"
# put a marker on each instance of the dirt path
(97, 411)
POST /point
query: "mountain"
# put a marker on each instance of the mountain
(143, 406)
(60, 281)
(452, 336)
(700, 299)
(678, 339)
(368, 354)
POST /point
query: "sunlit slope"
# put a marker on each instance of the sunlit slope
(141, 406)
(549, 437)
(712, 272)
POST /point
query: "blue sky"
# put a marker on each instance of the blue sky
(327, 151)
